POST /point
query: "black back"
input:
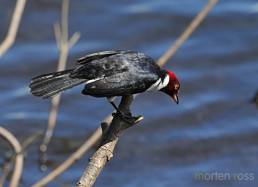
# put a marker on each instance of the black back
(118, 73)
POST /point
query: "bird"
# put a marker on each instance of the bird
(109, 74)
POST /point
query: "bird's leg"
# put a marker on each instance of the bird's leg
(111, 101)
(125, 117)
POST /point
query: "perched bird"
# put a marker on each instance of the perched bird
(109, 74)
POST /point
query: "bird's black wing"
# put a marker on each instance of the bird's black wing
(98, 56)
(126, 72)
(119, 85)
(120, 62)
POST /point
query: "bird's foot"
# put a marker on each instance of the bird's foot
(128, 118)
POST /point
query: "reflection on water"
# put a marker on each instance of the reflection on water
(214, 129)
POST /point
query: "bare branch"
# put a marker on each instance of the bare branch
(188, 31)
(57, 33)
(18, 158)
(63, 44)
(64, 21)
(9, 160)
(105, 151)
(28, 141)
(74, 39)
(91, 141)
(12, 32)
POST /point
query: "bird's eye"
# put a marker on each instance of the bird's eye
(176, 87)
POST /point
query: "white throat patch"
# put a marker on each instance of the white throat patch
(159, 84)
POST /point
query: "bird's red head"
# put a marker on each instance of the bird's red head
(173, 86)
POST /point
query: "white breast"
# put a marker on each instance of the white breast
(159, 84)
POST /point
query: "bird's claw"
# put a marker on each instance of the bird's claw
(129, 119)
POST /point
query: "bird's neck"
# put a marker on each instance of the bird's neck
(162, 82)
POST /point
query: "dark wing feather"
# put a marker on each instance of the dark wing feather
(98, 56)
(103, 67)
(119, 84)
(126, 74)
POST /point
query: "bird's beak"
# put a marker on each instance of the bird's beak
(175, 98)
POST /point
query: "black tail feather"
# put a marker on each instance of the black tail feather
(50, 84)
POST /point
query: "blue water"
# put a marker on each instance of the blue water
(215, 127)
